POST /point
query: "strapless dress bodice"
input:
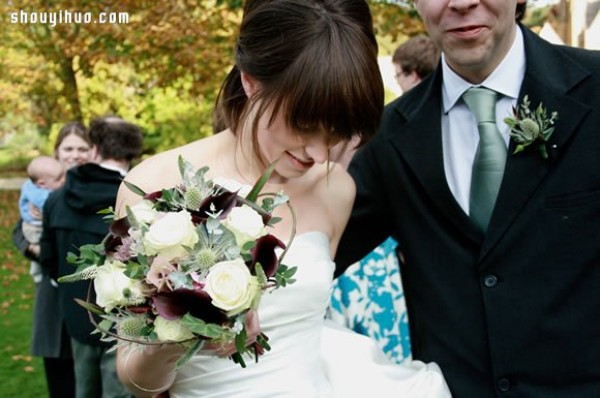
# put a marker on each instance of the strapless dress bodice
(309, 357)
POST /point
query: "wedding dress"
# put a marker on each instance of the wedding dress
(309, 357)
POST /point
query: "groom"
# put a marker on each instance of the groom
(506, 300)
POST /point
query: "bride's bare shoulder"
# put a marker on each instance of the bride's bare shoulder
(162, 170)
(155, 171)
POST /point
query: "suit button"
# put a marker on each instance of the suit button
(490, 280)
(503, 385)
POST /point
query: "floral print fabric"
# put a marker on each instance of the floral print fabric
(368, 298)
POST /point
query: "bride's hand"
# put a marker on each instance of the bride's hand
(225, 350)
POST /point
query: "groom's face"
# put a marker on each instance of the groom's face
(474, 35)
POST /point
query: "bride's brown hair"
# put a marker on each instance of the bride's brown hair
(316, 62)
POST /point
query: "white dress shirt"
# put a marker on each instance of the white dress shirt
(459, 127)
(113, 167)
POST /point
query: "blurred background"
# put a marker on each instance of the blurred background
(160, 64)
(156, 64)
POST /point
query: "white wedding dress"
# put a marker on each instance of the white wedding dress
(309, 357)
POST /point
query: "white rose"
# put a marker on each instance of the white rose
(143, 211)
(170, 235)
(167, 330)
(113, 288)
(245, 223)
(231, 286)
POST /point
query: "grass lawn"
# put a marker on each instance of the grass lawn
(21, 375)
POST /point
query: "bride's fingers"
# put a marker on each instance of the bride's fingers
(252, 326)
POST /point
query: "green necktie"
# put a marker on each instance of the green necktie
(488, 166)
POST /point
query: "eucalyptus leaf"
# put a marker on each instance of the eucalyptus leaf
(201, 328)
(134, 270)
(134, 188)
(194, 348)
(105, 325)
(93, 308)
(258, 186)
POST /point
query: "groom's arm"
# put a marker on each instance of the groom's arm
(368, 225)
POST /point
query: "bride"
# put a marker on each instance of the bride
(306, 78)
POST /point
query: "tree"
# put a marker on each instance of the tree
(394, 18)
(148, 55)
(168, 41)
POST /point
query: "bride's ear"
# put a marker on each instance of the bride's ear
(250, 84)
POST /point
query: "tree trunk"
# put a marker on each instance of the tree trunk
(67, 76)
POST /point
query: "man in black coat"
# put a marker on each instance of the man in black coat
(509, 308)
(70, 220)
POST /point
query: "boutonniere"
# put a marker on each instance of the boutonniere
(529, 127)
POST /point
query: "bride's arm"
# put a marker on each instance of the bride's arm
(149, 371)
(339, 197)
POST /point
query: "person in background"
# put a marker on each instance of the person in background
(49, 339)
(45, 175)
(70, 220)
(368, 297)
(500, 246)
(414, 60)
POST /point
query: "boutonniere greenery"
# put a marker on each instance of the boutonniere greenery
(531, 127)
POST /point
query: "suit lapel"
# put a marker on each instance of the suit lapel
(420, 145)
(548, 78)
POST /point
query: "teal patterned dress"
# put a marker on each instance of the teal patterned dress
(368, 299)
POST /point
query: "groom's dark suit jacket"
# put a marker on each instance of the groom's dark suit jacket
(514, 312)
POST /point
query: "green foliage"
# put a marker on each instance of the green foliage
(389, 96)
(170, 116)
(12, 165)
(192, 350)
(284, 275)
(20, 137)
(136, 270)
(209, 330)
(89, 255)
(395, 18)
(159, 70)
(537, 16)
(22, 375)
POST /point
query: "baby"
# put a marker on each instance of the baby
(45, 174)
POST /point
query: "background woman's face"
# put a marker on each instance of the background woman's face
(73, 151)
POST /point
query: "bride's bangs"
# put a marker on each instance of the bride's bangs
(330, 90)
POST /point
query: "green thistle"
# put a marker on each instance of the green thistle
(531, 127)
(206, 258)
(132, 326)
(193, 198)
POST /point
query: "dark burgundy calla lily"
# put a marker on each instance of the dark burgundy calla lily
(112, 243)
(139, 309)
(224, 202)
(174, 305)
(264, 253)
(120, 227)
(153, 196)
(117, 230)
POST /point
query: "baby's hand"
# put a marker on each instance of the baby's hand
(35, 211)
(34, 249)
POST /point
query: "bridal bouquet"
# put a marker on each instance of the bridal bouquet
(186, 265)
